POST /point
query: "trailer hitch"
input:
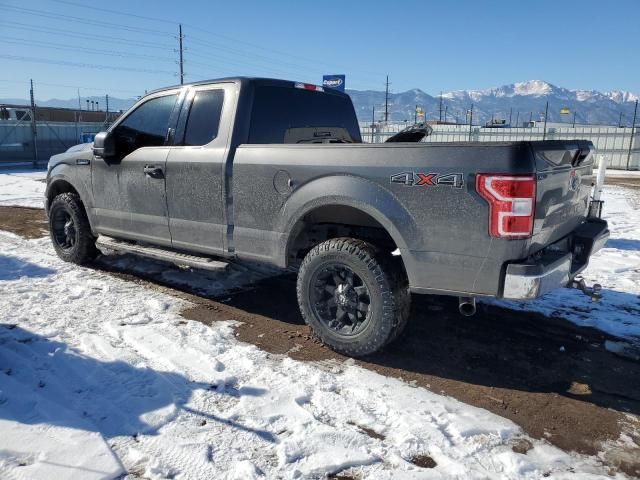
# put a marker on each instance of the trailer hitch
(594, 292)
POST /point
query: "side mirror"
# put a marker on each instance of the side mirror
(104, 145)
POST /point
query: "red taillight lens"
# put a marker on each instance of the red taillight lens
(511, 201)
(308, 86)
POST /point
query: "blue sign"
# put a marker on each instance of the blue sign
(87, 137)
(333, 81)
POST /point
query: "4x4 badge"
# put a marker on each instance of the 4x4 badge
(419, 179)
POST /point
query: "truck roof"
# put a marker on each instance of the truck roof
(245, 81)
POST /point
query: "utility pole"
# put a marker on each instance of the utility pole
(510, 114)
(373, 120)
(180, 37)
(440, 117)
(574, 119)
(415, 115)
(34, 126)
(470, 121)
(106, 97)
(446, 107)
(79, 104)
(633, 129)
(87, 104)
(546, 113)
(517, 118)
(386, 101)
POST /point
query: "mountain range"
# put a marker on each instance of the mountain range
(520, 101)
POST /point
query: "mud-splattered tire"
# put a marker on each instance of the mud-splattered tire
(353, 296)
(70, 231)
(402, 296)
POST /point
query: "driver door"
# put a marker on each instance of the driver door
(129, 190)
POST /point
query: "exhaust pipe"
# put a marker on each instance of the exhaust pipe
(467, 306)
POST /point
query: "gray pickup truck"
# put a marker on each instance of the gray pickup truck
(276, 172)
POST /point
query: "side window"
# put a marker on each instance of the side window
(146, 126)
(204, 117)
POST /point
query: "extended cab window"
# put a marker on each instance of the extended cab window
(204, 117)
(294, 115)
(146, 126)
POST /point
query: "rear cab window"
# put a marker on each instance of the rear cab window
(203, 120)
(282, 114)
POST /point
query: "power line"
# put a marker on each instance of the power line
(235, 41)
(69, 86)
(21, 58)
(84, 20)
(62, 46)
(101, 9)
(91, 36)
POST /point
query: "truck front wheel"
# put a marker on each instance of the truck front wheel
(70, 231)
(354, 298)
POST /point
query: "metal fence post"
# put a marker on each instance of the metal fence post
(34, 127)
(633, 128)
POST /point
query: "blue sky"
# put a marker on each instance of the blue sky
(432, 45)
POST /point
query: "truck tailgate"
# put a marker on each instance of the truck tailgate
(564, 174)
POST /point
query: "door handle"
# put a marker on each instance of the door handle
(153, 171)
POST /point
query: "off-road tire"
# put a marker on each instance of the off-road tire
(83, 249)
(402, 296)
(389, 294)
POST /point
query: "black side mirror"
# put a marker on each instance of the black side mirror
(104, 145)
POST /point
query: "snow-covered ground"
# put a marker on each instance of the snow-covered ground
(22, 188)
(100, 377)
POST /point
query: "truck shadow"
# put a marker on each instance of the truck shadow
(47, 382)
(623, 244)
(12, 268)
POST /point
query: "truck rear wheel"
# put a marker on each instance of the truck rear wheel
(70, 231)
(354, 298)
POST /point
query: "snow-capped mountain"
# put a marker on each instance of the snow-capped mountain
(522, 101)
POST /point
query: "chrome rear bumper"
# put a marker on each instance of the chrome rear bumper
(532, 279)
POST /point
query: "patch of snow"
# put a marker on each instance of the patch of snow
(621, 96)
(101, 377)
(22, 188)
(532, 87)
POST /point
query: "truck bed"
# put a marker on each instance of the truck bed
(442, 227)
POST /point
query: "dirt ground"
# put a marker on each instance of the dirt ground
(552, 378)
(629, 182)
(26, 222)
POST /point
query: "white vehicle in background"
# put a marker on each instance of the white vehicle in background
(15, 114)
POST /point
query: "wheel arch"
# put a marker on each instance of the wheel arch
(61, 183)
(349, 201)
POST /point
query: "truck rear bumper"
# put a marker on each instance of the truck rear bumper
(558, 266)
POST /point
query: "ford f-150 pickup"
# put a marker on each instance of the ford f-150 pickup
(276, 172)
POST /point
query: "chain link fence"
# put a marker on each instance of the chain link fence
(614, 143)
(18, 145)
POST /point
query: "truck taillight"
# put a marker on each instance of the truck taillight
(511, 201)
(309, 86)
